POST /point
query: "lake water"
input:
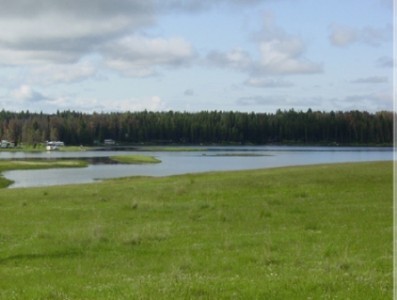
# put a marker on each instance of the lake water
(174, 163)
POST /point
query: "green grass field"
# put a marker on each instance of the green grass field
(315, 232)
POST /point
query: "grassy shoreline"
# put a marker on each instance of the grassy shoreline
(135, 159)
(314, 232)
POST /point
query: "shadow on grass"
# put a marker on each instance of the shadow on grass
(34, 256)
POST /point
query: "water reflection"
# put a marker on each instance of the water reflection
(173, 163)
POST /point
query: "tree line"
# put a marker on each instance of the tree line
(206, 127)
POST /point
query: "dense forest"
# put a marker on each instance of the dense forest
(206, 127)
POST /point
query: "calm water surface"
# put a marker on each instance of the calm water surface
(174, 163)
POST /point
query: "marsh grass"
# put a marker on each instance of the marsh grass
(135, 159)
(169, 148)
(238, 154)
(318, 232)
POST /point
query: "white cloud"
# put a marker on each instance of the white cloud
(261, 82)
(59, 31)
(83, 104)
(385, 62)
(26, 98)
(280, 54)
(343, 36)
(236, 59)
(274, 102)
(86, 9)
(189, 92)
(47, 43)
(194, 6)
(153, 103)
(262, 100)
(64, 31)
(372, 79)
(25, 93)
(284, 55)
(52, 74)
(138, 56)
(376, 36)
(44, 75)
(371, 102)
(366, 102)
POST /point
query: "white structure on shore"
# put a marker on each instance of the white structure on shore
(51, 145)
(109, 142)
(6, 144)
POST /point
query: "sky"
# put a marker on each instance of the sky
(194, 55)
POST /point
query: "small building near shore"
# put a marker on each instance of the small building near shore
(6, 144)
(109, 142)
(52, 145)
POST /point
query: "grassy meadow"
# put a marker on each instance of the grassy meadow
(313, 232)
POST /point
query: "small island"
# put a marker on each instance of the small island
(135, 159)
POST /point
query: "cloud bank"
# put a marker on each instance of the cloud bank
(63, 54)
(279, 54)
(343, 36)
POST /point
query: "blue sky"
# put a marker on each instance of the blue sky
(193, 55)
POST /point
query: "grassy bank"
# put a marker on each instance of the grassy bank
(135, 159)
(170, 148)
(318, 232)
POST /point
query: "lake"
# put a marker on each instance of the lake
(206, 159)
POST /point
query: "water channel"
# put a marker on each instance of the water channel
(204, 159)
